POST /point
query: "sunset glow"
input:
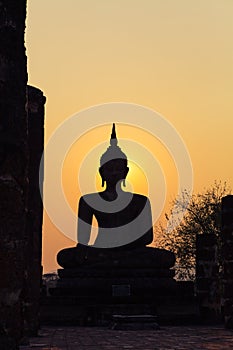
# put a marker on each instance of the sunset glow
(174, 57)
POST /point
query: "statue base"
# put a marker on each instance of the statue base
(91, 271)
(100, 283)
(131, 286)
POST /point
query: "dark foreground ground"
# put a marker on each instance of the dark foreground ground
(167, 338)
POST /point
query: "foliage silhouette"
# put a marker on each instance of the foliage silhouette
(202, 216)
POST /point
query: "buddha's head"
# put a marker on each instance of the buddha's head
(113, 163)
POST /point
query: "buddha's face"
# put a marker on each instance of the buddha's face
(114, 171)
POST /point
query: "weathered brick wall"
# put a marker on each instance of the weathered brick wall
(13, 166)
(35, 108)
(208, 281)
(21, 147)
(227, 254)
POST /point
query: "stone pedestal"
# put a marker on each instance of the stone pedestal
(142, 272)
(113, 281)
(140, 283)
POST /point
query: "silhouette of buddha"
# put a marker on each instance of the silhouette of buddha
(124, 218)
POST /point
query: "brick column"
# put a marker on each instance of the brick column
(35, 108)
(227, 254)
(13, 167)
(207, 277)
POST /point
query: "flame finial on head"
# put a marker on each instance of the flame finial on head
(113, 151)
(113, 140)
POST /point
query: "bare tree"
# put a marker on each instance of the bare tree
(203, 216)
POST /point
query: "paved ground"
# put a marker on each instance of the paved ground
(167, 338)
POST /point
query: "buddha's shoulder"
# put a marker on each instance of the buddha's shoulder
(140, 197)
(89, 196)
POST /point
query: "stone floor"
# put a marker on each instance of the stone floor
(167, 338)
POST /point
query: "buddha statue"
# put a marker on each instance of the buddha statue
(124, 222)
(124, 218)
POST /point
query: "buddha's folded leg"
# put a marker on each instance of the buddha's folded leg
(72, 257)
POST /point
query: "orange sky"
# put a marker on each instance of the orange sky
(174, 57)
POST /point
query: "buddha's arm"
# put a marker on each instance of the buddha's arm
(147, 223)
(85, 215)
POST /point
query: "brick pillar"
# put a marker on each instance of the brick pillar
(227, 254)
(35, 108)
(13, 168)
(207, 277)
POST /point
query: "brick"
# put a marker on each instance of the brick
(179, 338)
